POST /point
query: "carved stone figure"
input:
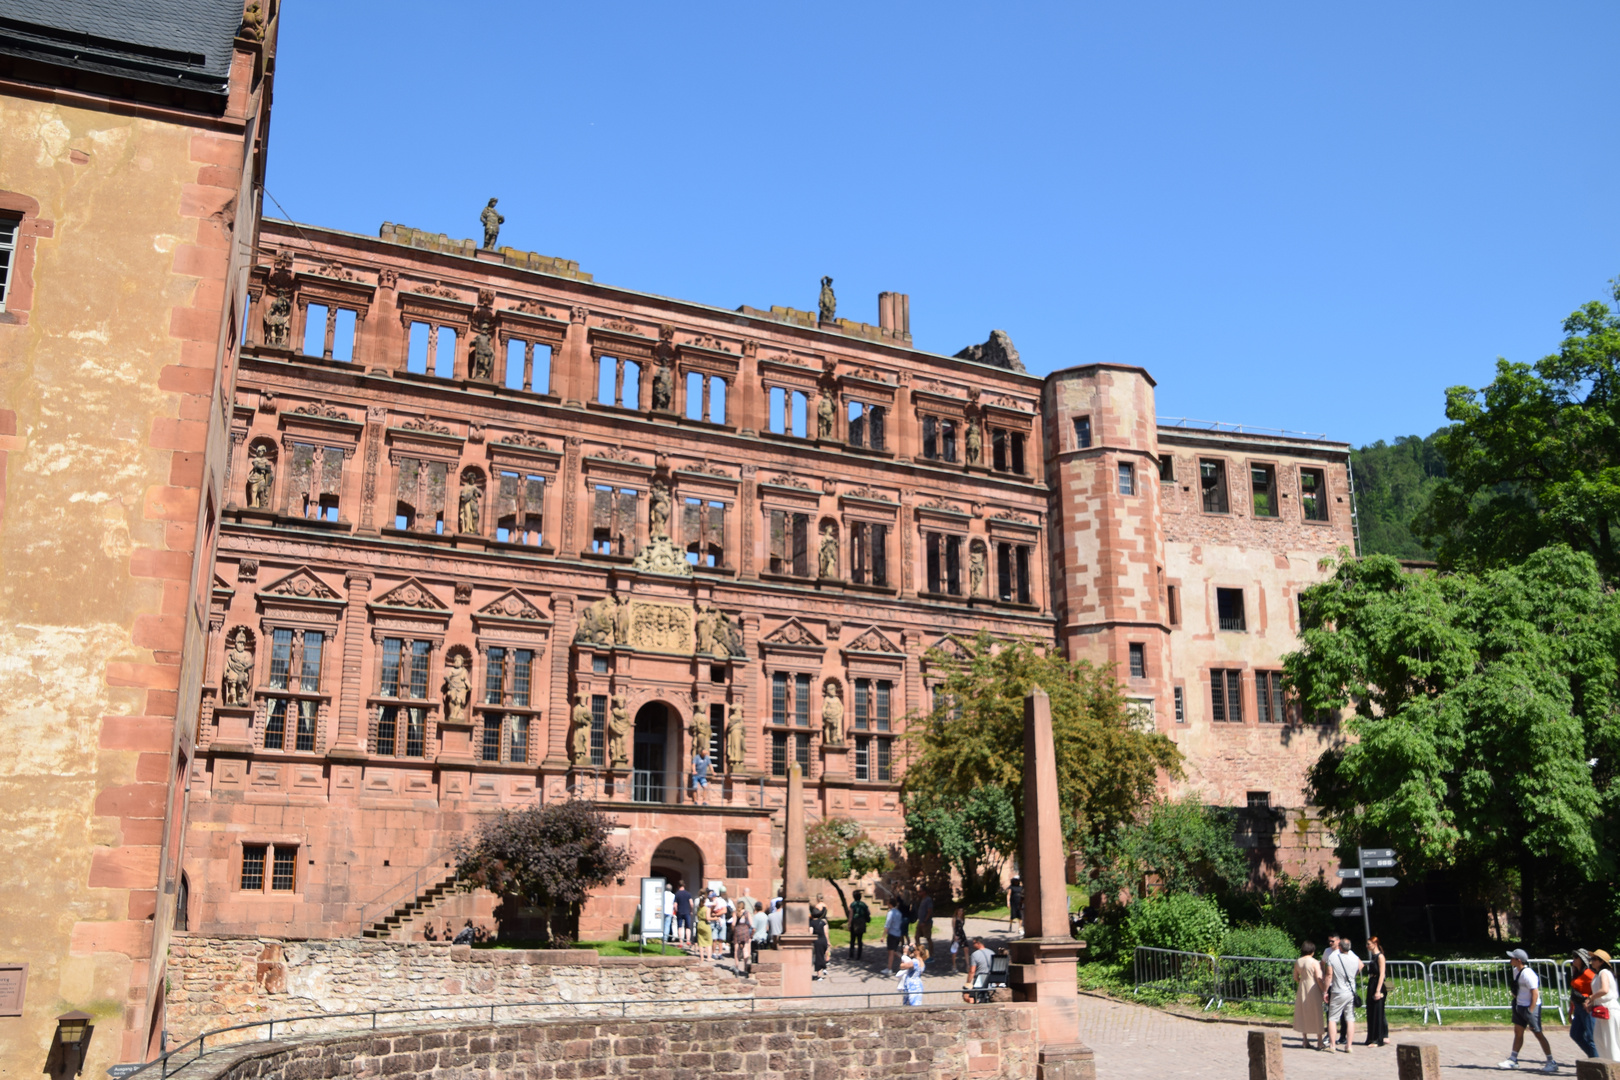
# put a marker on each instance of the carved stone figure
(736, 739)
(825, 415)
(471, 501)
(829, 551)
(261, 478)
(619, 732)
(829, 302)
(481, 361)
(832, 715)
(663, 389)
(579, 739)
(278, 320)
(604, 622)
(457, 690)
(976, 568)
(702, 730)
(975, 442)
(237, 682)
(492, 221)
(658, 511)
(661, 556)
(717, 635)
(621, 621)
(997, 352)
(252, 27)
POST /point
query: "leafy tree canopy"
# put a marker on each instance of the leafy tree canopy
(1394, 483)
(1476, 703)
(1534, 458)
(838, 849)
(974, 737)
(971, 833)
(1183, 844)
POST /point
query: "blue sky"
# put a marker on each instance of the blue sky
(1305, 216)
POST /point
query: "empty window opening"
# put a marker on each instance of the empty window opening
(1229, 609)
(703, 527)
(613, 521)
(1212, 475)
(939, 439)
(618, 382)
(789, 412)
(416, 356)
(514, 379)
(944, 559)
(790, 543)
(444, 353)
(866, 425)
(316, 480)
(869, 553)
(315, 330)
(1313, 494)
(1007, 451)
(420, 497)
(1263, 482)
(1226, 695)
(519, 502)
(705, 397)
(1012, 573)
(1167, 469)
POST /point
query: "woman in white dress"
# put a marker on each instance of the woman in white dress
(1603, 1004)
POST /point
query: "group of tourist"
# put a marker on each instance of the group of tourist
(1326, 997)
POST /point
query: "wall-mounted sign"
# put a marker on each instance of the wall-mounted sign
(13, 981)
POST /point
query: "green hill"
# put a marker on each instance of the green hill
(1394, 482)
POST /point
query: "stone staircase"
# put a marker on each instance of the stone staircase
(412, 907)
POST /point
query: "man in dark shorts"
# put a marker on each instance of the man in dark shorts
(1015, 903)
(894, 928)
(683, 915)
(1526, 987)
(859, 916)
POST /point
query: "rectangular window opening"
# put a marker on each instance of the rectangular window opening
(1229, 609)
(444, 353)
(416, 357)
(1082, 433)
(1138, 660)
(1313, 494)
(1127, 478)
(1212, 475)
(1263, 482)
(253, 867)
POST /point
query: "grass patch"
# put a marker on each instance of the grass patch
(1078, 898)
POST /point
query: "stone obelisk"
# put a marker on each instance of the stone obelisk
(797, 940)
(1045, 960)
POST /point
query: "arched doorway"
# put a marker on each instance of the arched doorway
(679, 862)
(655, 754)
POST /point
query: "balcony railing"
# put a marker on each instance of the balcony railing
(646, 786)
(1232, 622)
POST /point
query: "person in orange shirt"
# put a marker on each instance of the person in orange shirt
(1580, 986)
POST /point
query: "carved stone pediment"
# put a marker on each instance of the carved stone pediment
(512, 605)
(873, 640)
(792, 632)
(411, 593)
(301, 584)
(661, 627)
(953, 648)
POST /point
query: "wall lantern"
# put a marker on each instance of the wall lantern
(73, 1029)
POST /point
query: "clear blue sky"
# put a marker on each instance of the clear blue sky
(1307, 216)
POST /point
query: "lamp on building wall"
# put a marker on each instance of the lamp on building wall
(73, 1031)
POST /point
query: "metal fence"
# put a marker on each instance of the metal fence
(1439, 987)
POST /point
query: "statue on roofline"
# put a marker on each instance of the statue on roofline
(492, 221)
(829, 302)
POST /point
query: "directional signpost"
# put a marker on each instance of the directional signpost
(1368, 859)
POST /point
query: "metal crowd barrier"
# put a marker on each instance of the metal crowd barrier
(1439, 987)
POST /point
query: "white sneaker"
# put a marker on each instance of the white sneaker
(1510, 1063)
(1550, 1067)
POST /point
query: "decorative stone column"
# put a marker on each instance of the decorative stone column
(1045, 960)
(349, 742)
(797, 940)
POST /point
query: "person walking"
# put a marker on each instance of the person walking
(705, 931)
(762, 929)
(859, 916)
(978, 973)
(669, 913)
(1015, 903)
(959, 940)
(1308, 1019)
(1343, 967)
(1603, 1005)
(821, 944)
(742, 938)
(894, 931)
(1525, 985)
(1377, 990)
(1580, 987)
(1332, 947)
(910, 983)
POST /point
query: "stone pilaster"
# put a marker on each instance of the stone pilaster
(350, 741)
(559, 709)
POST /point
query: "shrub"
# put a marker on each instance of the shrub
(1173, 921)
(1270, 941)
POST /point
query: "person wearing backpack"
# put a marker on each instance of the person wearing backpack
(1525, 985)
(859, 916)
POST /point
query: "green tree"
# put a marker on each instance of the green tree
(971, 832)
(838, 849)
(1534, 458)
(548, 857)
(1479, 704)
(974, 737)
(1394, 483)
(1183, 844)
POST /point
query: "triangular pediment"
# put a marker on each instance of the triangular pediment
(873, 640)
(411, 593)
(512, 605)
(792, 632)
(304, 584)
(953, 648)
(221, 583)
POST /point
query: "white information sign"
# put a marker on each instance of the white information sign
(652, 909)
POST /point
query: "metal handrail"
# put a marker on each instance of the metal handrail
(200, 1042)
(412, 886)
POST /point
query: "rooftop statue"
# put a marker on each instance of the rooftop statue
(829, 302)
(492, 224)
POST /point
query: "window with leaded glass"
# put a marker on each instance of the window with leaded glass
(1226, 695)
(599, 729)
(295, 669)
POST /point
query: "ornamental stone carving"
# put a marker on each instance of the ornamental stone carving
(511, 606)
(828, 303)
(976, 568)
(604, 622)
(261, 477)
(658, 511)
(579, 739)
(702, 731)
(619, 740)
(492, 220)
(828, 554)
(832, 714)
(457, 690)
(663, 389)
(660, 627)
(661, 556)
(791, 632)
(873, 641)
(825, 415)
(303, 584)
(736, 739)
(237, 683)
(471, 503)
(717, 635)
(975, 442)
(412, 594)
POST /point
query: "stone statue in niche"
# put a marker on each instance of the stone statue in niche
(663, 389)
(237, 682)
(278, 320)
(457, 690)
(702, 730)
(828, 553)
(619, 740)
(658, 511)
(604, 622)
(975, 442)
(579, 740)
(481, 361)
(825, 415)
(492, 221)
(976, 568)
(261, 478)
(829, 302)
(736, 739)
(471, 502)
(832, 714)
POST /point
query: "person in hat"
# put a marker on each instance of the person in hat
(1526, 987)
(1580, 986)
(1603, 1005)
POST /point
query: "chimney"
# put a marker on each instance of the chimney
(894, 315)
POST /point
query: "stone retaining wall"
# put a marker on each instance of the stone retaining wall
(216, 982)
(983, 1041)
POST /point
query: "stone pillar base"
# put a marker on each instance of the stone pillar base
(1421, 1061)
(1265, 1055)
(1065, 1061)
(1591, 1069)
(795, 950)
